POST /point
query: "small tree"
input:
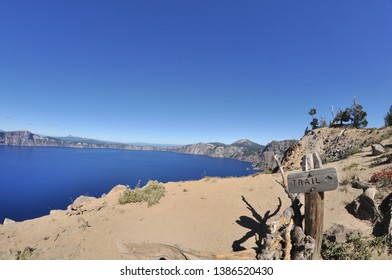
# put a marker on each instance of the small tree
(358, 115)
(342, 116)
(314, 122)
(346, 115)
(312, 111)
(388, 118)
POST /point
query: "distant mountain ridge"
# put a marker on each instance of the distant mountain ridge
(26, 138)
(84, 140)
(244, 149)
(241, 150)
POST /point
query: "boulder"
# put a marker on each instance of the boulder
(389, 158)
(377, 150)
(364, 206)
(83, 199)
(357, 184)
(56, 212)
(8, 221)
(116, 190)
(386, 210)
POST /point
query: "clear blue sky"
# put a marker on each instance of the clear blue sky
(190, 71)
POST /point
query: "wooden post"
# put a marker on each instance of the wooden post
(314, 206)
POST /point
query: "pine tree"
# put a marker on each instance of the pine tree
(346, 115)
(358, 115)
(314, 122)
(388, 118)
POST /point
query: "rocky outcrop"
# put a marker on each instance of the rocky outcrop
(334, 144)
(377, 150)
(266, 157)
(8, 221)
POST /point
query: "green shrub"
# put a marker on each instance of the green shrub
(151, 193)
(350, 152)
(381, 244)
(356, 248)
(353, 165)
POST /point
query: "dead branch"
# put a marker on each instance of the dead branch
(288, 247)
(283, 220)
(281, 170)
(284, 180)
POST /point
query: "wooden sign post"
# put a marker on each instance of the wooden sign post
(313, 181)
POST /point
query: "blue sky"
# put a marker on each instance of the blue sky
(190, 71)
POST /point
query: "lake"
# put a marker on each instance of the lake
(35, 180)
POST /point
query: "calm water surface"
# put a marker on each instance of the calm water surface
(34, 180)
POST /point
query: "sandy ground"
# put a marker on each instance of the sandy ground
(210, 215)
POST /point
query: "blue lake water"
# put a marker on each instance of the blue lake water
(34, 180)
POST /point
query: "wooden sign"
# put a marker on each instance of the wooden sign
(316, 180)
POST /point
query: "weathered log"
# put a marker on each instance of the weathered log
(142, 251)
(283, 220)
(288, 245)
(287, 229)
(295, 198)
(339, 135)
(298, 242)
(271, 247)
(284, 179)
(156, 251)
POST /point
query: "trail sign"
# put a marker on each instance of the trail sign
(315, 180)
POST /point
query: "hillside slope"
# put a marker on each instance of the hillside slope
(334, 144)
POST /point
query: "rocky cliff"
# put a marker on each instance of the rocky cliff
(266, 156)
(26, 138)
(242, 150)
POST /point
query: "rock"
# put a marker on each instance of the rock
(338, 233)
(389, 159)
(8, 221)
(357, 184)
(56, 212)
(364, 207)
(83, 199)
(377, 150)
(267, 161)
(116, 191)
(386, 210)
